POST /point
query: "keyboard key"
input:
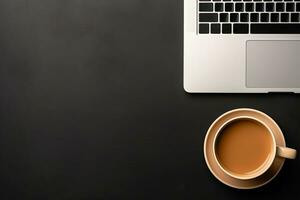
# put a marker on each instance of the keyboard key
(203, 28)
(264, 17)
(234, 17)
(254, 17)
(215, 28)
(226, 28)
(274, 17)
(269, 7)
(216, 0)
(287, 0)
(275, 28)
(247, 0)
(239, 7)
(205, 7)
(228, 7)
(249, 7)
(279, 7)
(224, 17)
(219, 7)
(241, 28)
(208, 17)
(259, 7)
(295, 17)
(290, 7)
(237, 0)
(244, 17)
(284, 17)
(298, 7)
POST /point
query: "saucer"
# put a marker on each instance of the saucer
(222, 176)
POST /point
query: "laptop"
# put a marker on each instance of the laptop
(241, 46)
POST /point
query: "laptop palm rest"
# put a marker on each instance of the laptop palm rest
(273, 64)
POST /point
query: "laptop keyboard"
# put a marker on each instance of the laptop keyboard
(249, 16)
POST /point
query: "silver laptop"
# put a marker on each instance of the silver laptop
(241, 46)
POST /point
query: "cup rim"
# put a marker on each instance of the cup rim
(265, 166)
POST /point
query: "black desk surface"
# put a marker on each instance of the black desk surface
(92, 106)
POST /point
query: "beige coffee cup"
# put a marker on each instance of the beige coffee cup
(275, 151)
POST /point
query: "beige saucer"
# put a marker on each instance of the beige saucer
(212, 163)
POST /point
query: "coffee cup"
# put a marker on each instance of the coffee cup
(245, 148)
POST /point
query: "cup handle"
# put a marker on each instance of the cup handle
(286, 152)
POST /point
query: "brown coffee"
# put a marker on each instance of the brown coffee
(243, 146)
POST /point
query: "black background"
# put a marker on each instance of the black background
(92, 106)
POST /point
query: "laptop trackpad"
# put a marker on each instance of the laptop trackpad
(273, 64)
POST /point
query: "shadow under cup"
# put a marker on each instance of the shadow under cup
(244, 148)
